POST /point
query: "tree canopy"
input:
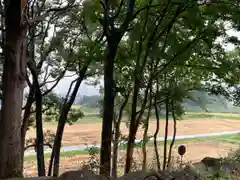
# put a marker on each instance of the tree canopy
(154, 56)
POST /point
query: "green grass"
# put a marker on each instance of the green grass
(233, 139)
(96, 119)
(192, 115)
(63, 154)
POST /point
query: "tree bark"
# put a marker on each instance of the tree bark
(174, 135)
(14, 72)
(134, 122)
(114, 36)
(108, 109)
(133, 128)
(115, 148)
(38, 115)
(39, 125)
(26, 115)
(166, 134)
(55, 156)
(156, 133)
(145, 134)
(39, 133)
(116, 137)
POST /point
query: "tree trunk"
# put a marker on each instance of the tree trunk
(26, 115)
(130, 148)
(166, 135)
(115, 149)
(108, 109)
(39, 133)
(174, 135)
(145, 134)
(155, 135)
(61, 124)
(113, 36)
(116, 137)
(14, 72)
(133, 129)
(135, 120)
(38, 96)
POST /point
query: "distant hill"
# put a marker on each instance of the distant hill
(88, 101)
(203, 101)
(200, 102)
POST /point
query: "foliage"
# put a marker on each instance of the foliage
(49, 137)
(89, 101)
(165, 53)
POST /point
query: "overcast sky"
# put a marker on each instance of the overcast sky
(85, 89)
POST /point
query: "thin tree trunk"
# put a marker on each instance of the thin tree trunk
(132, 132)
(38, 96)
(133, 127)
(156, 133)
(13, 79)
(174, 135)
(166, 135)
(61, 124)
(115, 149)
(39, 133)
(145, 134)
(26, 115)
(116, 137)
(145, 139)
(134, 123)
(39, 124)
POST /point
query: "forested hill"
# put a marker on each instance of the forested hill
(88, 101)
(202, 101)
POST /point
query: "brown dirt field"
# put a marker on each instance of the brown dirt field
(195, 152)
(80, 134)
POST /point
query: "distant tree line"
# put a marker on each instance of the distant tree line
(200, 101)
(89, 101)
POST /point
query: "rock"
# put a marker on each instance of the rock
(189, 172)
(211, 162)
(81, 174)
(33, 178)
(142, 175)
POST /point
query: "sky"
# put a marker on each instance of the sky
(85, 89)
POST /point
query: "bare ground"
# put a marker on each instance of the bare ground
(195, 152)
(81, 134)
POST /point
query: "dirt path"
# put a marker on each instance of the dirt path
(82, 134)
(195, 152)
